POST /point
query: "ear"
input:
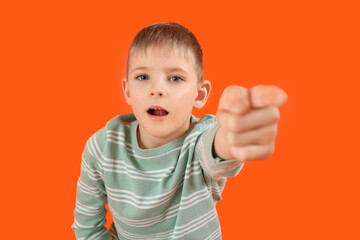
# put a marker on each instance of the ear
(203, 93)
(126, 90)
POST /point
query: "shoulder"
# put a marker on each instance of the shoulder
(205, 130)
(200, 126)
(120, 121)
(114, 127)
(204, 123)
(117, 124)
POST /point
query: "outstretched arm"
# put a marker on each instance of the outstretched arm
(248, 121)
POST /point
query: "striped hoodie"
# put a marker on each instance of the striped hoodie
(168, 192)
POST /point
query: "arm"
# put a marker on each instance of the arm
(215, 169)
(214, 166)
(248, 122)
(91, 198)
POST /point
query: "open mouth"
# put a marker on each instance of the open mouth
(157, 111)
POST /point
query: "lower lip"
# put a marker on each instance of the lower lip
(157, 118)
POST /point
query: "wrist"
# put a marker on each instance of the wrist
(221, 147)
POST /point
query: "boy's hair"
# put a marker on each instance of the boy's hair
(171, 35)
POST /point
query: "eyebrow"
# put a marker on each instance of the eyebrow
(175, 69)
(140, 68)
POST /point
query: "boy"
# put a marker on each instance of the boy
(161, 170)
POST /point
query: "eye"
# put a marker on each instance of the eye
(142, 77)
(176, 79)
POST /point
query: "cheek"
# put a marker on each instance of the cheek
(137, 91)
(185, 102)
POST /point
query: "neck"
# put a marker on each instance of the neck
(148, 141)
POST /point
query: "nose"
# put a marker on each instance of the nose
(157, 90)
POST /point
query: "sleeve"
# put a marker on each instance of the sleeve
(90, 212)
(216, 169)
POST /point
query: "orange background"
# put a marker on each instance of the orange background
(61, 66)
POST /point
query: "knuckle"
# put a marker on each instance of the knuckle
(234, 98)
(236, 139)
(242, 155)
(270, 150)
(235, 92)
(270, 133)
(239, 153)
(267, 152)
(259, 87)
(238, 99)
(236, 89)
(257, 90)
(275, 113)
(234, 123)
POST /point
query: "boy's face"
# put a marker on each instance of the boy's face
(162, 88)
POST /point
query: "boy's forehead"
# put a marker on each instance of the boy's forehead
(181, 53)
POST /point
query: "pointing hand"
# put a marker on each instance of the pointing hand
(248, 121)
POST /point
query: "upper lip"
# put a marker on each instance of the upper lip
(157, 107)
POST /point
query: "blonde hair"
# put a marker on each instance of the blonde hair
(171, 35)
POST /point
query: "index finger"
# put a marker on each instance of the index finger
(235, 99)
(264, 96)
